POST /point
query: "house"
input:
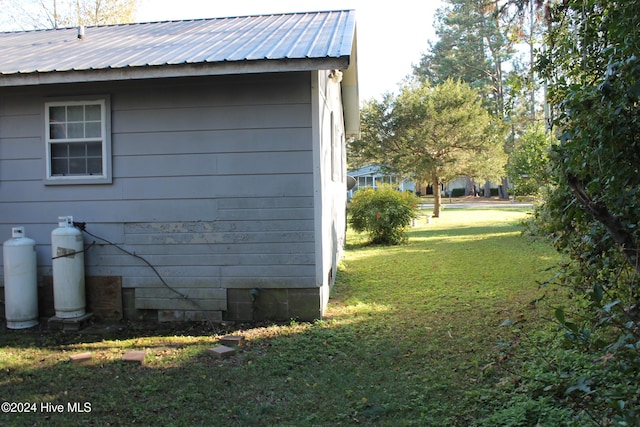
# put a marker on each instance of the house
(205, 157)
(458, 186)
(372, 175)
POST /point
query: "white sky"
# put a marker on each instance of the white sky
(392, 35)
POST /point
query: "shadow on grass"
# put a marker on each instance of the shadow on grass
(476, 232)
(355, 367)
(487, 220)
(412, 336)
(42, 337)
(367, 363)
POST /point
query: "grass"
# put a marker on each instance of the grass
(414, 335)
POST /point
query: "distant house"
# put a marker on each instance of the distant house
(373, 175)
(458, 186)
(214, 149)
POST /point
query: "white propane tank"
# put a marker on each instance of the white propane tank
(68, 269)
(20, 280)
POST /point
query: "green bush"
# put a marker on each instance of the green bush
(458, 192)
(384, 213)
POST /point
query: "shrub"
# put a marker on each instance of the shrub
(383, 213)
(458, 192)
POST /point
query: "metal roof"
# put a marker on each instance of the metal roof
(318, 38)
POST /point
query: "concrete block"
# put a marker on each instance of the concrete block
(273, 304)
(232, 341)
(81, 357)
(304, 304)
(222, 352)
(239, 305)
(73, 324)
(135, 356)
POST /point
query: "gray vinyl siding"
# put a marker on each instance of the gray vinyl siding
(212, 183)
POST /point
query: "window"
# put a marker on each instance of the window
(78, 141)
(337, 152)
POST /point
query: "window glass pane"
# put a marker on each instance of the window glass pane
(57, 114)
(94, 149)
(77, 150)
(94, 166)
(59, 167)
(59, 150)
(75, 130)
(57, 131)
(75, 113)
(92, 130)
(93, 112)
(77, 166)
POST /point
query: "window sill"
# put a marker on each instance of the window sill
(81, 180)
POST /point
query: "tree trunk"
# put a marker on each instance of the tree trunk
(470, 187)
(487, 189)
(437, 194)
(504, 189)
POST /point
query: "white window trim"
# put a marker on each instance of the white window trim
(106, 176)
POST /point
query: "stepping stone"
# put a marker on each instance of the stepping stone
(222, 352)
(135, 356)
(81, 357)
(232, 340)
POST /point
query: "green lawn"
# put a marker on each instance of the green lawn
(428, 334)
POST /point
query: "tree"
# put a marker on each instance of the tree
(43, 14)
(592, 214)
(475, 39)
(596, 72)
(477, 43)
(432, 133)
(527, 167)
